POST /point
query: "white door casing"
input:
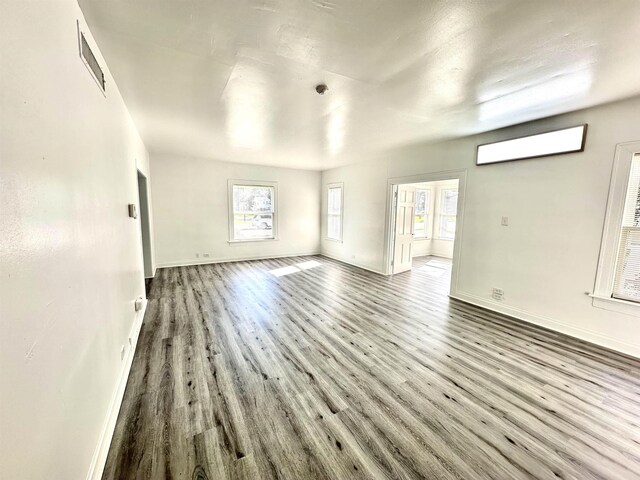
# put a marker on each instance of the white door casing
(405, 209)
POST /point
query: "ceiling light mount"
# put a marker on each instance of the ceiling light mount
(321, 89)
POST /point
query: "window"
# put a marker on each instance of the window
(626, 284)
(448, 210)
(421, 219)
(617, 285)
(252, 211)
(334, 212)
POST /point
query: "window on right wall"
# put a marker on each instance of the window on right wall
(448, 212)
(626, 283)
(617, 285)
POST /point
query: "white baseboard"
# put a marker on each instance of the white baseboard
(102, 449)
(551, 324)
(203, 261)
(351, 263)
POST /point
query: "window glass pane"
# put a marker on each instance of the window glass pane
(335, 200)
(249, 226)
(421, 213)
(252, 198)
(449, 202)
(333, 227)
(626, 284)
(253, 212)
(447, 227)
(420, 226)
(631, 216)
(421, 199)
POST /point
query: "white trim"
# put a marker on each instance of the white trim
(579, 333)
(230, 213)
(461, 176)
(603, 286)
(251, 240)
(353, 264)
(329, 186)
(616, 305)
(99, 459)
(189, 263)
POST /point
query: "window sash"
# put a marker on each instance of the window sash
(626, 281)
(244, 224)
(444, 234)
(421, 229)
(334, 212)
(626, 284)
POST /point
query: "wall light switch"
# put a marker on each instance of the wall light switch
(133, 211)
(505, 221)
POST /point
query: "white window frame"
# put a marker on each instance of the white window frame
(603, 290)
(230, 212)
(428, 221)
(339, 185)
(442, 215)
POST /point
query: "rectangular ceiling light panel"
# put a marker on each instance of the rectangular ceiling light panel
(557, 142)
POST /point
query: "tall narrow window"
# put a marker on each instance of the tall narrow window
(421, 219)
(448, 211)
(334, 212)
(626, 285)
(252, 211)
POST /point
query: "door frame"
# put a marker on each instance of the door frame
(389, 231)
(144, 219)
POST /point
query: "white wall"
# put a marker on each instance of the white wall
(191, 211)
(432, 245)
(70, 258)
(546, 259)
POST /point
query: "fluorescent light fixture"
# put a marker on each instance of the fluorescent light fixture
(557, 142)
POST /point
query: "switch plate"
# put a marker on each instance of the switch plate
(497, 294)
(133, 210)
(505, 221)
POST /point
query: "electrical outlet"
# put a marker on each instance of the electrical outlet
(206, 255)
(505, 221)
(138, 304)
(122, 352)
(498, 294)
(197, 255)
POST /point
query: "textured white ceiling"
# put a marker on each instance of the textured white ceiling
(234, 80)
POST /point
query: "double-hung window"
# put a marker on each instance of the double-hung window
(421, 219)
(448, 211)
(334, 211)
(252, 211)
(626, 284)
(617, 284)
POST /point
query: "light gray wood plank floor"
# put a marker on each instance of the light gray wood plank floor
(333, 372)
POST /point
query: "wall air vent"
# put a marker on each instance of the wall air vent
(90, 60)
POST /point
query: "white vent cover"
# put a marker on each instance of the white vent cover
(90, 60)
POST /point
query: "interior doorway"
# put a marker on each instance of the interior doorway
(145, 229)
(425, 217)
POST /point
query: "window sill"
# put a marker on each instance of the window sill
(615, 304)
(252, 240)
(334, 240)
